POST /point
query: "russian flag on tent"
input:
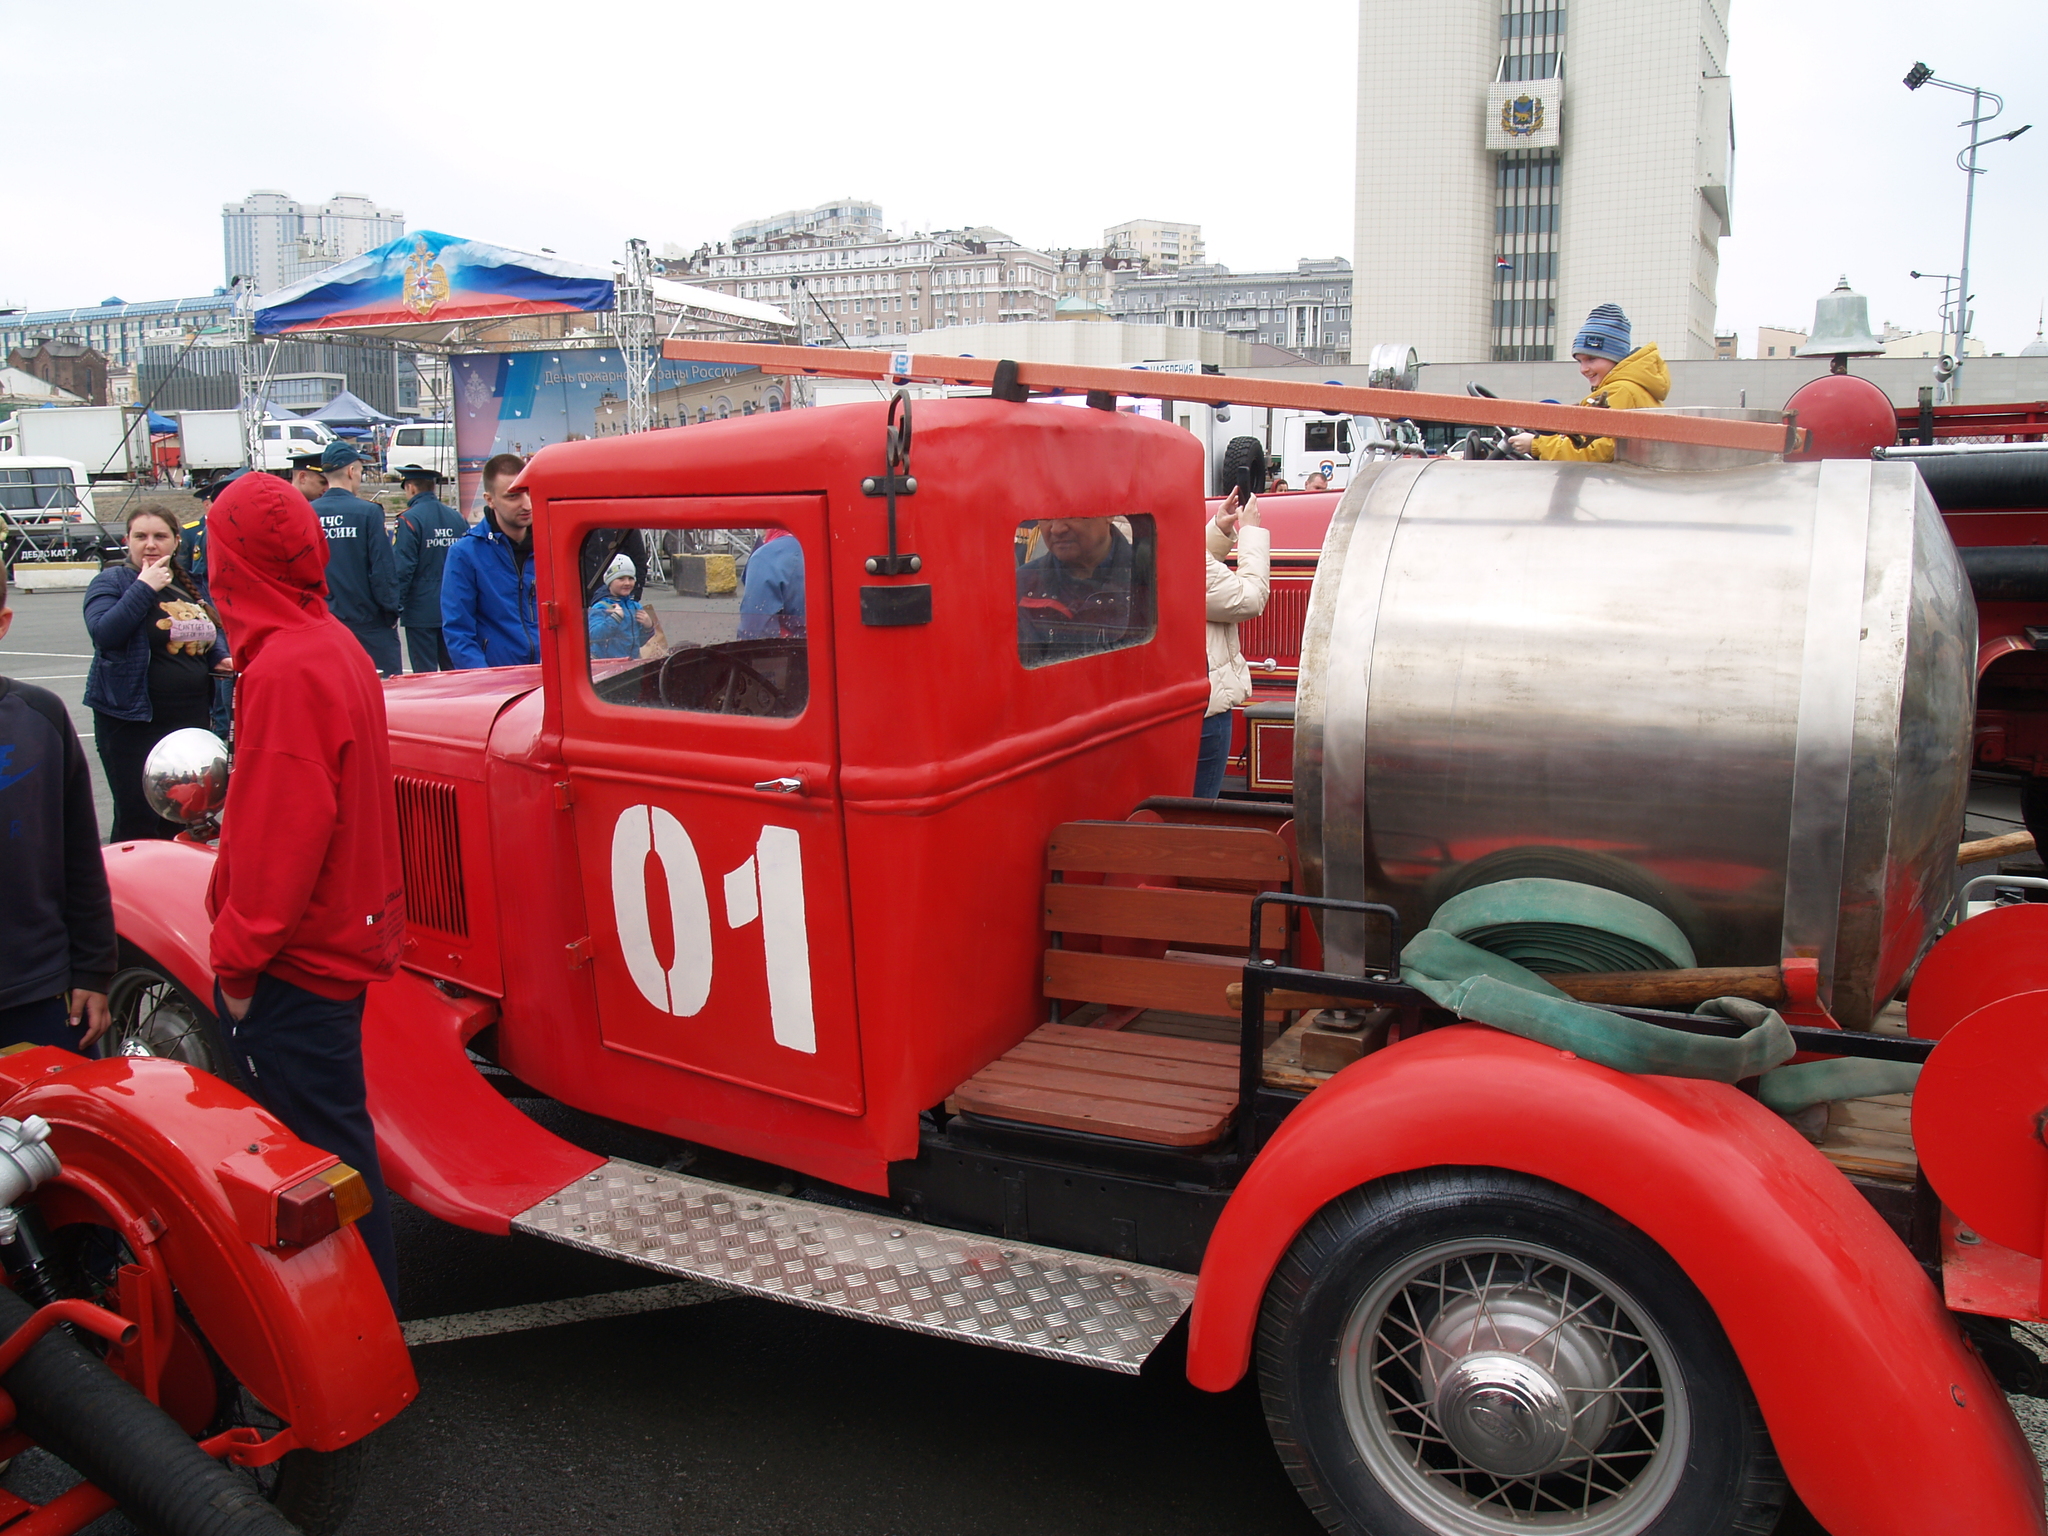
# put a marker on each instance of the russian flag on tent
(427, 277)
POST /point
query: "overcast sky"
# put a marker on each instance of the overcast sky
(551, 125)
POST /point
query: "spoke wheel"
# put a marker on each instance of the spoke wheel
(1491, 1386)
(154, 1016)
(1467, 1352)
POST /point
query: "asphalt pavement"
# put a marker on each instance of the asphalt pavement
(562, 1392)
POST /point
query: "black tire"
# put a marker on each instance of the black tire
(1672, 1445)
(1537, 861)
(154, 1015)
(1244, 463)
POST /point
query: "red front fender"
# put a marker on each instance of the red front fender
(155, 1145)
(160, 906)
(1887, 1423)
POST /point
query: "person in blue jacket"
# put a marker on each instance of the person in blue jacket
(619, 626)
(772, 605)
(427, 529)
(489, 617)
(155, 653)
(362, 576)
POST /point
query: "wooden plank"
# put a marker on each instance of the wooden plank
(2004, 846)
(1101, 1085)
(1637, 989)
(1220, 1076)
(1163, 848)
(1893, 1113)
(1159, 1125)
(1133, 1043)
(1136, 982)
(1156, 912)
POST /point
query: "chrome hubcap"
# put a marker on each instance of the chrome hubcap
(1491, 1386)
(152, 1019)
(1503, 1413)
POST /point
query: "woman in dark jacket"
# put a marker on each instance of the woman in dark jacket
(156, 650)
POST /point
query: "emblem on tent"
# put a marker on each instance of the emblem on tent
(1522, 116)
(426, 281)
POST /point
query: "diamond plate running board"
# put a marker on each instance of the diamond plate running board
(1038, 1301)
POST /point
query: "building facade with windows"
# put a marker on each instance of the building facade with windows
(1307, 311)
(849, 219)
(271, 241)
(866, 289)
(1161, 246)
(1567, 156)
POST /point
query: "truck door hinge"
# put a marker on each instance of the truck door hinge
(565, 794)
(579, 953)
(550, 615)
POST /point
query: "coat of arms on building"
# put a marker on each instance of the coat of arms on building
(425, 283)
(1522, 116)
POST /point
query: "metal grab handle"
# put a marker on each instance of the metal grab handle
(782, 786)
(2010, 882)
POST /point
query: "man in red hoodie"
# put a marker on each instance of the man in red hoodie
(307, 897)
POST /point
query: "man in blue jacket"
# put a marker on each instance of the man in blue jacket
(362, 576)
(489, 617)
(427, 528)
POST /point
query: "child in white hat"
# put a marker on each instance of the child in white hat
(619, 626)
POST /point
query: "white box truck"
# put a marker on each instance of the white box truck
(111, 441)
(210, 443)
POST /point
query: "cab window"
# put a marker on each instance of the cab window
(706, 620)
(1084, 586)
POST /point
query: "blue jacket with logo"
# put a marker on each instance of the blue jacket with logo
(489, 617)
(362, 576)
(427, 529)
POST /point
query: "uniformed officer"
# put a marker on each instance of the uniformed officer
(426, 529)
(306, 477)
(362, 577)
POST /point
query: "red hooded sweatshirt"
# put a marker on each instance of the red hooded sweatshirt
(308, 885)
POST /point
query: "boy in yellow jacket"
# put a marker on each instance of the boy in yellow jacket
(1621, 380)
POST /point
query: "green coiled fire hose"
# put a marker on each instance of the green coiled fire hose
(1483, 954)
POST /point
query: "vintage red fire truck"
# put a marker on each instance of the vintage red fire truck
(892, 899)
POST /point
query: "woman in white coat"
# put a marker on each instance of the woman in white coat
(1233, 597)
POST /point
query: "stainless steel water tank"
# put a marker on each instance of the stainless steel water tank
(1749, 689)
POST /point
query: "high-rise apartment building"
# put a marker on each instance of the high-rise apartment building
(1520, 161)
(847, 219)
(1161, 246)
(272, 241)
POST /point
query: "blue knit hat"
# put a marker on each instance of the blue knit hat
(1605, 334)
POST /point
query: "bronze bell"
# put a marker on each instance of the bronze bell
(1841, 328)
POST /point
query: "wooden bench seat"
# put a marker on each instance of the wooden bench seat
(1139, 911)
(1152, 1088)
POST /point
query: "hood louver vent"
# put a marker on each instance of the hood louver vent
(431, 847)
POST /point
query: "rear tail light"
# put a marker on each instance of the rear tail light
(321, 1205)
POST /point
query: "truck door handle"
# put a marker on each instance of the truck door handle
(783, 786)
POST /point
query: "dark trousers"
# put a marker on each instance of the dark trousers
(124, 747)
(301, 1056)
(381, 641)
(427, 651)
(43, 1022)
(1214, 756)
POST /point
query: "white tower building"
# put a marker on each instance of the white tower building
(274, 241)
(1520, 162)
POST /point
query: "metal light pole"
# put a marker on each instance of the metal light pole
(1966, 161)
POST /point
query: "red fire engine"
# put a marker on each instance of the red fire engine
(894, 898)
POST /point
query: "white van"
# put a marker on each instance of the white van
(428, 445)
(283, 439)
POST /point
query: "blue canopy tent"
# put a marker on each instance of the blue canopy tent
(346, 410)
(160, 423)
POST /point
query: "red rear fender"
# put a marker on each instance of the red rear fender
(1887, 1423)
(153, 1146)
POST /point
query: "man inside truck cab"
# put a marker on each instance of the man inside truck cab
(1079, 594)
(489, 616)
